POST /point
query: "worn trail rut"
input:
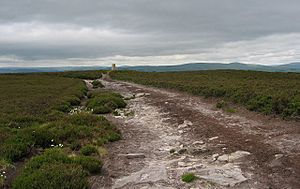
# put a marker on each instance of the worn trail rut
(166, 134)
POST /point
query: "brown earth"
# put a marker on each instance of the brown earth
(167, 133)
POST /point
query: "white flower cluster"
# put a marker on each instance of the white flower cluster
(123, 113)
(59, 145)
(2, 174)
(77, 110)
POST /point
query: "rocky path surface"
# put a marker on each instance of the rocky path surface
(166, 134)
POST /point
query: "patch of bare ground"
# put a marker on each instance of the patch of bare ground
(167, 134)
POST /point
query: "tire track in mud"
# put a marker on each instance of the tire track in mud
(224, 151)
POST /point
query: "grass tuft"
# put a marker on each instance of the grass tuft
(88, 150)
(188, 177)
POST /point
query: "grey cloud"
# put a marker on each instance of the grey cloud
(64, 29)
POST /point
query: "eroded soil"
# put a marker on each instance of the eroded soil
(166, 134)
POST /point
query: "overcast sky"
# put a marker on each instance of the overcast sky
(140, 32)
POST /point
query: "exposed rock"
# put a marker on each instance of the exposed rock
(128, 96)
(225, 175)
(215, 157)
(152, 173)
(213, 138)
(277, 161)
(181, 164)
(156, 186)
(138, 95)
(233, 156)
(133, 156)
(198, 151)
(200, 142)
(278, 156)
(185, 124)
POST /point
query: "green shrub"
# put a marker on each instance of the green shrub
(64, 107)
(14, 150)
(64, 132)
(50, 156)
(86, 119)
(56, 155)
(113, 136)
(53, 176)
(44, 138)
(90, 164)
(105, 102)
(97, 84)
(188, 177)
(113, 105)
(88, 150)
(102, 110)
(74, 101)
(83, 125)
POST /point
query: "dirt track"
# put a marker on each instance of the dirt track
(166, 134)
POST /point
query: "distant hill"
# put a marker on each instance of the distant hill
(48, 69)
(292, 67)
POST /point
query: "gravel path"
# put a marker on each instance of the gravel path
(166, 134)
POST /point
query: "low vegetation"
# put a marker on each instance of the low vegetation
(102, 102)
(54, 169)
(35, 121)
(88, 150)
(29, 99)
(90, 74)
(268, 93)
(97, 84)
(188, 177)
